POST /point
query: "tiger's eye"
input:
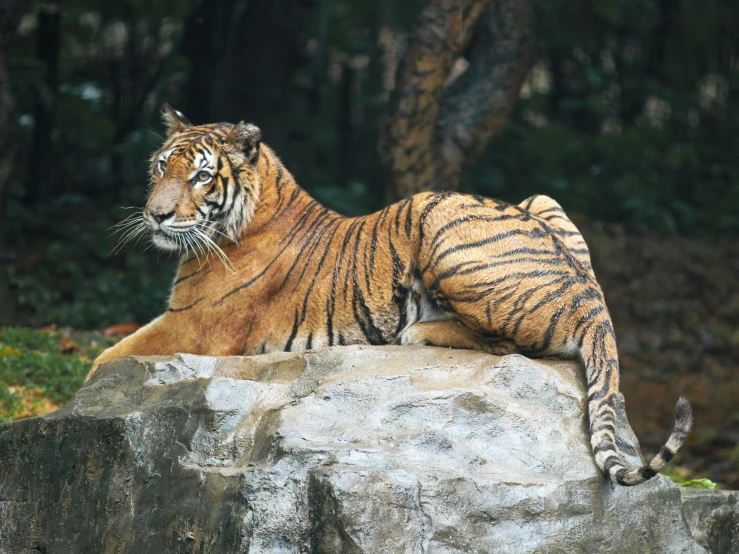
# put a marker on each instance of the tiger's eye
(203, 176)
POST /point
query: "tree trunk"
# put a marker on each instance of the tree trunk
(10, 15)
(435, 132)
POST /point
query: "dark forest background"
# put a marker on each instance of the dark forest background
(625, 111)
(630, 113)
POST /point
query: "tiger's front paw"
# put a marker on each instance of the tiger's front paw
(414, 335)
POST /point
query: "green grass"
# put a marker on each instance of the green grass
(34, 371)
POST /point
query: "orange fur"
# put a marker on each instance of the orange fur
(440, 269)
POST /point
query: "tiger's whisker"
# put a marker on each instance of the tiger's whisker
(131, 233)
(206, 226)
(194, 247)
(127, 226)
(128, 220)
(217, 250)
(203, 246)
(135, 234)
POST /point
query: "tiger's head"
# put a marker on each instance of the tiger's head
(204, 183)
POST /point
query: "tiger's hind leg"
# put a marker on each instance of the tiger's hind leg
(507, 272)
(503, 271)
(452, 334)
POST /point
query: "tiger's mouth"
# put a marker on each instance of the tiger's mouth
(177, 239)
(172, 235)
(198, 239)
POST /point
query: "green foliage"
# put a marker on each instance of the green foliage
(630, 114)
(74, 278)
(64, 271)
(681, 481)
(699, 484)
(640, 175)
(32, 359)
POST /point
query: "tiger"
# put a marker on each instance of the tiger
(439, 268)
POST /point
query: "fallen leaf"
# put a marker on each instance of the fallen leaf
(121, 330)
(68, 346)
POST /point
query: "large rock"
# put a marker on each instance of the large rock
(351, 449)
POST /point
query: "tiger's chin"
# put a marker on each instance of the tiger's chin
(165, 243)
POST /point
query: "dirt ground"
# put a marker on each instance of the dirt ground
(675, 306)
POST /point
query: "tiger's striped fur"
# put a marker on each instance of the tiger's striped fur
(440, 269)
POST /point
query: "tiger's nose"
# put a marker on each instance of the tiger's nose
(160, 216)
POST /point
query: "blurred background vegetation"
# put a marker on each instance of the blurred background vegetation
(629, 114)
(629, 117)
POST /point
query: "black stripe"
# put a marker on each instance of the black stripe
(603, 427)
(315, 238)
(306, 243)
(435, 201)
(180, 279)
(533, 234)
(331, 301)
(408, 217)
(556, 209)
(666, 453)
(260, 274)
(436, 242)
(245, 344)
(373, 246)
(293, 333)
(185, 307)
(351, 270)
(398, 210)
(318, 269)
(611, 461)
(549, 333)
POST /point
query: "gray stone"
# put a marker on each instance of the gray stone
(713, 517)
(349, 449)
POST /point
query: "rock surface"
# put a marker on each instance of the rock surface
(714, 518)
(343, 450)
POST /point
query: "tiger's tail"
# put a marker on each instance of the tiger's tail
(601, 363)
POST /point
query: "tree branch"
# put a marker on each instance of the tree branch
(477, 105)
(408, 135)
(432, 135)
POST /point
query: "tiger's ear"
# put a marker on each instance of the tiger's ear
(246, 138)
(174, 121)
